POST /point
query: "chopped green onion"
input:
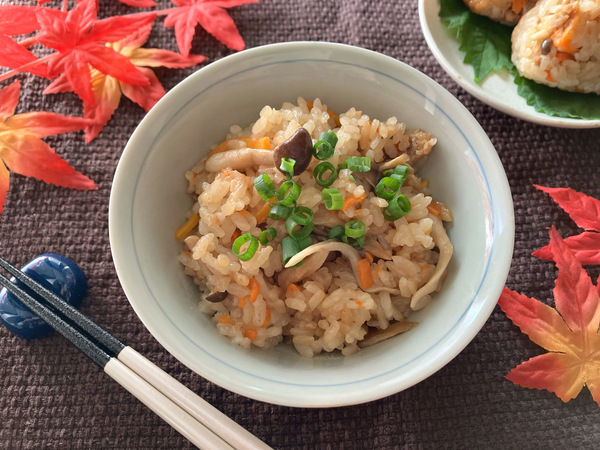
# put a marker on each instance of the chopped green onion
(247, 254)
(287, 166)
(325, 146)
(330, 137)
(289, 247)
(323, 150)
(400, 173)
(354, 242)
(267, 236)
(321, 170)
(336, 232)
(288, 193)
(358, 163)
(332, 199)
(387, 188)
(354, 229)
(298, 233)
(399, 206)
(278, 211)
(304, 242)
(265, 187)
(302, 215)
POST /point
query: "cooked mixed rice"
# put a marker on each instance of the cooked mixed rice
(342, 296)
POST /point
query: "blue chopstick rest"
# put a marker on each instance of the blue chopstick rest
(55, 272)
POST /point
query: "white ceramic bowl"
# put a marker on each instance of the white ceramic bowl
(149, 200)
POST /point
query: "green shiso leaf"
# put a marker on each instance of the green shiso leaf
(559, 103)
(487, 47)
(486, 44)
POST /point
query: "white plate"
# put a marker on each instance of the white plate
(497, 90)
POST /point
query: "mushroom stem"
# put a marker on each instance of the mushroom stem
(438, 233)
(351, 254)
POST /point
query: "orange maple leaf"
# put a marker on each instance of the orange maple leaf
(107, 89)
(569, 332)
(23, 151)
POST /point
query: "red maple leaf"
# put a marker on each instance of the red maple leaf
(139, 3)
(23, 152)
(211, 15)
(569, 332)
(79, 40)
(585, 212)
(107, 90)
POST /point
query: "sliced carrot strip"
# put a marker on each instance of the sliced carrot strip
(434, 208)
(187, 226)
(359, 303)
(250, 333)
(564, 56)
(291, 289)
(369, 257)
(351, 200)
(376, 273)
(517, 6)
(251, 142)
(254, 289)
(262, 214)
(365, 274)
(267, 318)
(242, 301)
(563, 36)
(224, 319)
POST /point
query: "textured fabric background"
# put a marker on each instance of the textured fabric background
(51, 396)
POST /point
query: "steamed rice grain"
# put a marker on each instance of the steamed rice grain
(322, 308)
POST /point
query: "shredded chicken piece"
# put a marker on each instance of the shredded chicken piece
(238, 159)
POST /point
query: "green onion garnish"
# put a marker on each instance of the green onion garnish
(354, 233)
(250, 249)
(288, 193)
(354, 229)
(332, 199)
(265, 187)
(298, 233)
(323, 169)
(399, 206)
(267, 236)
(289, 247)
(287, 166)
(304, 242)
(358, 163)
(278, 211)
(336, 232)
(322, 150)
(387, 188)
(330, 137)
(358, 242)
(325, 146)
(302, 215)
(400, 173)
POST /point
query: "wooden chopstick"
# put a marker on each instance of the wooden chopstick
(196, 419)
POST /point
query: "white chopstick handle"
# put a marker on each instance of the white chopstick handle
(171, 413)
(219, 423)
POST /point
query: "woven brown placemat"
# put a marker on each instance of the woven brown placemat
(51, 396)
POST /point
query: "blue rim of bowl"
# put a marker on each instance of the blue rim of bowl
(490, 230)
